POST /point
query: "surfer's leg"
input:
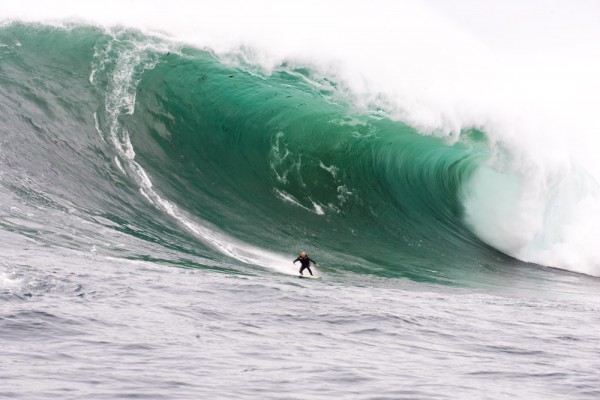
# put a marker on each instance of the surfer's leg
(302, 269)
(309, 270)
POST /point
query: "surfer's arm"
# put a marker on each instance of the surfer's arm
(296, 260)
(312, 261)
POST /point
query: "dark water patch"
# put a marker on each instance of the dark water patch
(29, 325)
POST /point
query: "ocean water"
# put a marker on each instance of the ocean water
(153, 194)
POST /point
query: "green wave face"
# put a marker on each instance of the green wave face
(279, 161)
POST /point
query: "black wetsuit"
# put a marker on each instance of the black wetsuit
(305, 264)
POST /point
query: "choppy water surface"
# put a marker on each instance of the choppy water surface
(83, 326)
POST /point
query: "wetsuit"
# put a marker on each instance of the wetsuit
(305, 264)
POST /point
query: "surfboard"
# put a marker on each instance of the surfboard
(310, 277)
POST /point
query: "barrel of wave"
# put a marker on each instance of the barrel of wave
(548, 216)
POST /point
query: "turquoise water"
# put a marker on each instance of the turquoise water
(282, 162)
(141, 177)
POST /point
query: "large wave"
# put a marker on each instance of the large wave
(253, 154)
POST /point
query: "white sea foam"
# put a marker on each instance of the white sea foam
(9, 282)
(531, 84)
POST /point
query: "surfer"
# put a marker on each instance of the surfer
(305, 261)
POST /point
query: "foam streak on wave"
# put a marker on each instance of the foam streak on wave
(134, 58)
